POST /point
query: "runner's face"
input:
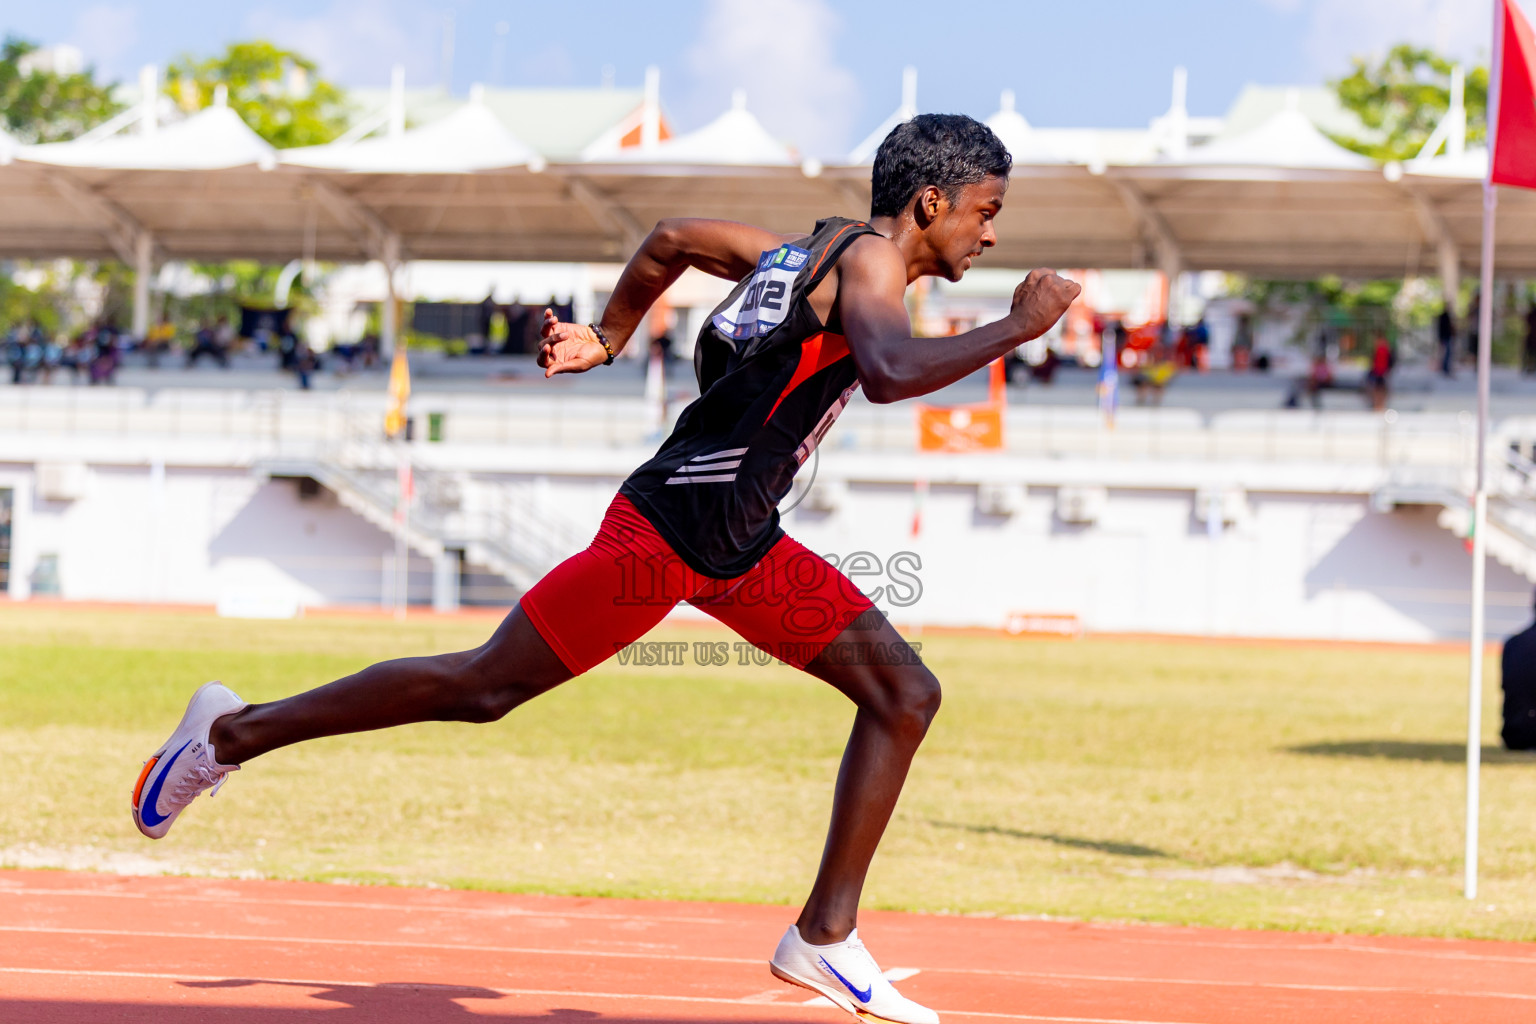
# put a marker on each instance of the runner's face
(963, 229)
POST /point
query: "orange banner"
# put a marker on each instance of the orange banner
(965, 428)
(959, 428)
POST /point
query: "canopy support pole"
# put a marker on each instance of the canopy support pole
(1170, 257)
(607, 212)
(143, 267)
(366, 225)
(118, 225)
(390, 333)
(1438, 234)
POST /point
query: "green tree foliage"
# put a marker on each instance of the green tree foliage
(64, 296)
(41, 106)
(279, 93)
(1404, 97)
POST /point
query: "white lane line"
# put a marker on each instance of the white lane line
(894, 974)
(1461, 956)
(562, 993)
(378, 943)
(1214, 983)
(1127, 935)
(501, 912)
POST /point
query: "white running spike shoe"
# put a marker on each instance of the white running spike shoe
(184, 766)
(845, 973)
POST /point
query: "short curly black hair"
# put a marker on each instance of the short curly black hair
(948, 151)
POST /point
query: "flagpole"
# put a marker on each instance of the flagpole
(1480, 494)
(403, 484)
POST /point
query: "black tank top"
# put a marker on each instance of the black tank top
(772, 380)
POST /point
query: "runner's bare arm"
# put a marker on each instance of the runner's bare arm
(719, 247)
(894, 365)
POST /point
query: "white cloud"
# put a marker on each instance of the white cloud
(355, 42)
(782, 54)
(106, 33)
(1341, 29)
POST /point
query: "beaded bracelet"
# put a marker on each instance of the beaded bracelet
(602, 339)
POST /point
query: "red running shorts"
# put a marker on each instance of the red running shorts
(791, 604)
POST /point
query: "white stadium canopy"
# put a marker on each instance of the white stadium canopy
(1277, 198)
(469, 139)
(735, 137)
(211, 139)
(1024, 143)
(1286, 139)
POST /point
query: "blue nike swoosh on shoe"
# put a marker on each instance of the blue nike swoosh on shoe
(148, 810)
(862, 997)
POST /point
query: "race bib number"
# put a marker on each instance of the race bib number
(765, 303)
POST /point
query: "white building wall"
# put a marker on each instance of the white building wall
(1296, 564)
(1315, 566)
(204, 535)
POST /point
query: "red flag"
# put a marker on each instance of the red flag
(1514, 140)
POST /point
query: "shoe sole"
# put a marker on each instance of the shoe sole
(837, 998)
(841, 1001)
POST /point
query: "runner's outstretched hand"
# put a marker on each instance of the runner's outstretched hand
(568, 348)
(1040, 300)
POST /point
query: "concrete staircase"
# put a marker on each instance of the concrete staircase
(451, 515)
(1510, 534)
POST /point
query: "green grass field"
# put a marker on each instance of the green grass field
(1281, 786)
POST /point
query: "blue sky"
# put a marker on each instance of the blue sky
(820, 73)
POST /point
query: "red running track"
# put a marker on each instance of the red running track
(106, 949)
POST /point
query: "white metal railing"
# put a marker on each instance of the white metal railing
(278, 422)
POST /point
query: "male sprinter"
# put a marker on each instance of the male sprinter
(813, 318)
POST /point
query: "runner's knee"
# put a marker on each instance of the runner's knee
(908, 697)
(481, 691)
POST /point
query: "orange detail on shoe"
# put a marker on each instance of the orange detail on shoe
(817, 352)
(138, 787)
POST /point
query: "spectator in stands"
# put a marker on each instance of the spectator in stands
(77, 355)
(1200, 344)
(1242, 342)
(1017, 362)
(304, 362)
(1445, 334)
(1383, 359)
(1045, 370)
(159, 340)
(224, 336)
(287, 349)
(53, 358)
(15, 354)
(1317, 380)
(1519, 672)
(1474, 325)
(205, 343)
(104, 361)
(24, 350)
(479, 340)
(1154, 373)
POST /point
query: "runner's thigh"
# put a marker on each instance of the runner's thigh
(791, 604)
(604, 598)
